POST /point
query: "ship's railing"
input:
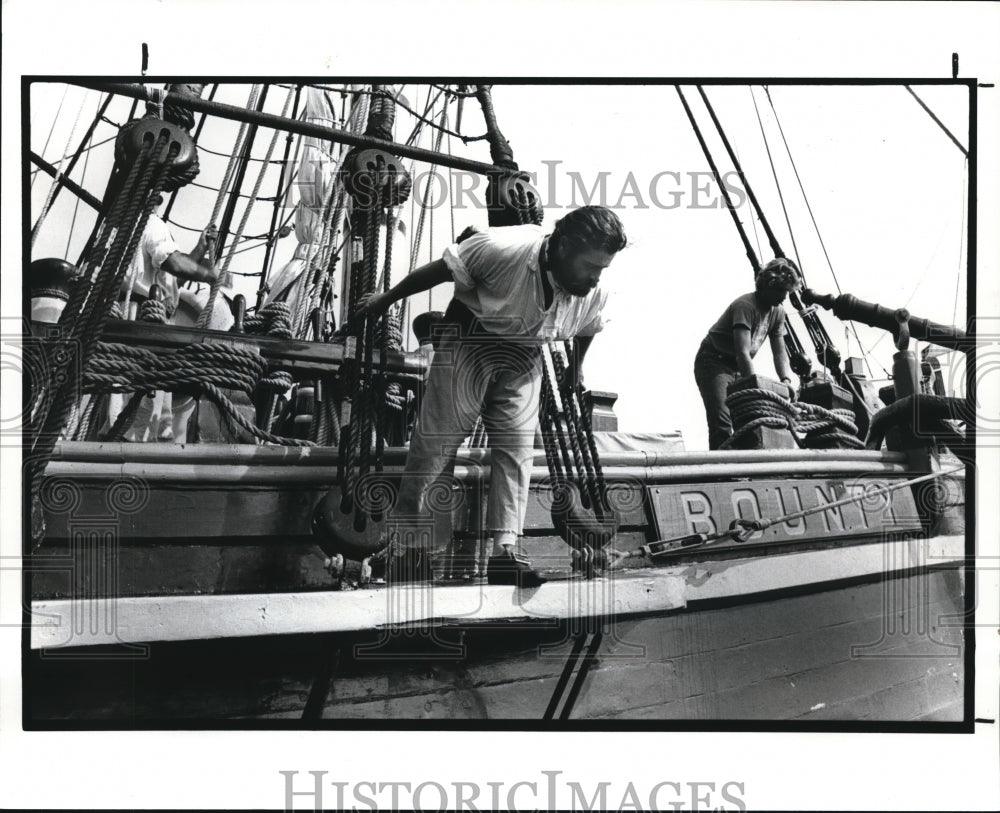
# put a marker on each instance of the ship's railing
(314, 367)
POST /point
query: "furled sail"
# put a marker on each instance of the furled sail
(317, 217)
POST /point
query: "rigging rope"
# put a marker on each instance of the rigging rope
(938, 121)
(197, 370)
(83, 326)
(418, 233)
(751, 255)
(54, 186)
(279, 201)
(52, 128)
(812, 217)
(83, 178)
(206, 313)
(567, 438)
(777, 185)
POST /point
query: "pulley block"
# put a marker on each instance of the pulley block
(516, 192)
(374, 177)
(581, 528)
(336, 532)
(137, 134)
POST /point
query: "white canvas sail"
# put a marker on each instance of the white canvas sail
(315, 182)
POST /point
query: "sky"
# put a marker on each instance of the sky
(886, 185)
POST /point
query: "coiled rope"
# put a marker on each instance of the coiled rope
(274, 319)
(812, 426)
(197, 370)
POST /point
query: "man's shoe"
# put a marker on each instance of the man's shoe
(513, 568)
(410, 565)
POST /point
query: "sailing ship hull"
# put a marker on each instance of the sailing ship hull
(161, 557)
(180, 583)
(873, 649)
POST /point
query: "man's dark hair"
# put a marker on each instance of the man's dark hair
(467, 232)
(780, 274)
(591, 228)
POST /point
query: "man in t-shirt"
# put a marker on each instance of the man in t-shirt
(727, 352)
(515, 288)
(158, 260)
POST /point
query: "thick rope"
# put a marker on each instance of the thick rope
(588, 436)
(549, 416)
(153, 310)
(134, 205)
(196, 370)
(820, 428)
(70, 317)
(366, 413)
(581, 456)
(84, 327)
(125, 418)
(274, 319)
(813, 427)
(564, 459)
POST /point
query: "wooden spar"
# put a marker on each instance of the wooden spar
(847, 306)
(62, 180)
(235, 478)
(234, 113)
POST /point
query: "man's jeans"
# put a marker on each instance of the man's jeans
(714, 373)
(500, 379)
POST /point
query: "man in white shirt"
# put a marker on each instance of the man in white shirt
(158, 260)
(515, 288)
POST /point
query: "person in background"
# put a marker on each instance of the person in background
(159, 260)
(727, 352)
